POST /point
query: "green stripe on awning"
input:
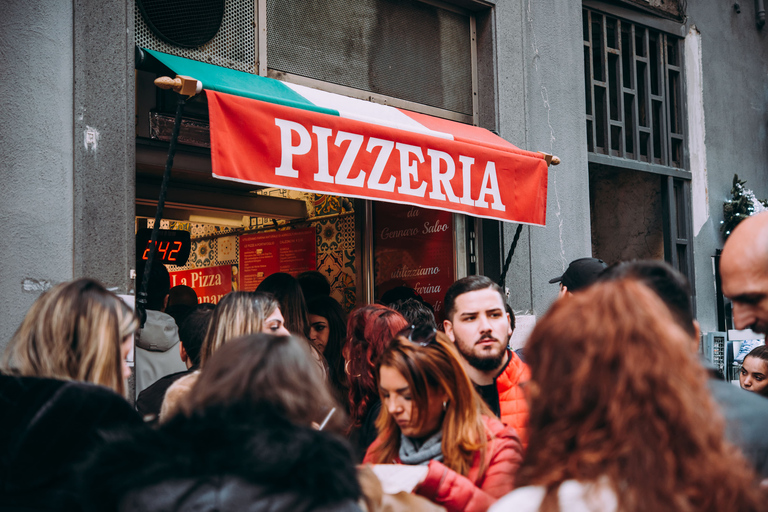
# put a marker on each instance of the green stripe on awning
(239, 83)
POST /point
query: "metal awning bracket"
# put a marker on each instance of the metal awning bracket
(550, 159)
(184, 85)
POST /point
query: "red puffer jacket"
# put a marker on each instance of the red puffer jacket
(474, 492)
(512, 402)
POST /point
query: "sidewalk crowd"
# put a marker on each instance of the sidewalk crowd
(275, 400)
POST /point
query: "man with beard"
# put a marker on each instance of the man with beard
(478, 324)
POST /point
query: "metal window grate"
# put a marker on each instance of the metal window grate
(233, 46)
(633, 83)
(404, 49)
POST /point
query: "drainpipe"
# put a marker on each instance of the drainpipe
(760, 13)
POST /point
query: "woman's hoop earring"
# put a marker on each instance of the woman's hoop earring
(445, 405)
(346, 370)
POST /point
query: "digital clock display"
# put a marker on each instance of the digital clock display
(173, 246)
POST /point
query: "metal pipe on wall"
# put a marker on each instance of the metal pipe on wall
(760, 13)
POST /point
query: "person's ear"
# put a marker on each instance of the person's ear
(165, 302)
(563, 291)
(183, 353)
(510, 330)
(697, 338)
(448, 328)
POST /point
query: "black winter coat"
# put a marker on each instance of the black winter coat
(47, 426)
(224, 460)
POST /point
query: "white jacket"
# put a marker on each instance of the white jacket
(573, 496)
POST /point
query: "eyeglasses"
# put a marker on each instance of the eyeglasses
(422, 334)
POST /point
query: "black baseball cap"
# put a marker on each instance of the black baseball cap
(581, 273)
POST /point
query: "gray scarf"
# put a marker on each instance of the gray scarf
(419, 454)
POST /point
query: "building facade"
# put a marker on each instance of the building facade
(651, 107)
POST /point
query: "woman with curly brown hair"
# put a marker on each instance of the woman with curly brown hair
(369, 331)
(620, 416)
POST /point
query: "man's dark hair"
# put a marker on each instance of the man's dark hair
(466, 285)
(511, 316)
(670, 285)
(313, 284)
(415, 312)
(192, 330)
(158, 286)
(182, 294)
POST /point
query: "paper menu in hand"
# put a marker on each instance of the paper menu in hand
(397, 477)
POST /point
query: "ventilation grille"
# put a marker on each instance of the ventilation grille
(233, 47)
(399, 48)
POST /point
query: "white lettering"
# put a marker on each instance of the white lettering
(404, 272)
(442, 179)
(466, 178)
(387, 234)
(322, 175)
(342, 175)
(374, 180)
(437, 228)
(288, 150)
(490, 185)
(410, 171)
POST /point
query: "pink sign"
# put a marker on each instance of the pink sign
(292, 251)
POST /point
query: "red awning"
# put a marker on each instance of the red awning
(277, 134)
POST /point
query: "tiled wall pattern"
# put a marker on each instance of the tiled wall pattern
(335, 242)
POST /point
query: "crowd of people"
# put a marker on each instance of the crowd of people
(276, 400)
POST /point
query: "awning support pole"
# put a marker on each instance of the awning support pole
(503, 277)
(184, 86)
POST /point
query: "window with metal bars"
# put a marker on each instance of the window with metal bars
(633, 84)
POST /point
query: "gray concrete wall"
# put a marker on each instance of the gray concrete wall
(66, 148)
(36, 153)
(541, 108)
(735, 104)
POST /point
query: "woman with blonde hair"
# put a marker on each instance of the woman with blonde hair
(620, 417)
(239, 313)
(432, 416)
(236, 314)
(62, 373)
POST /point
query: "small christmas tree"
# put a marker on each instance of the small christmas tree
(742, 204)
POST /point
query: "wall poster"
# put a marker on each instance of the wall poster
(261, 254)
(413, 247)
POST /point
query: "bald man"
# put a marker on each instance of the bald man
(744, 272)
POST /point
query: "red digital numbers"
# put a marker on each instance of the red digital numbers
(163, 250)
(176, 248)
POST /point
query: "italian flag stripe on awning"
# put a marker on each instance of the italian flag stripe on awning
(278, 134)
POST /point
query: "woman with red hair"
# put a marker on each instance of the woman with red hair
(369, 331)
(432, 417)
(620, 416)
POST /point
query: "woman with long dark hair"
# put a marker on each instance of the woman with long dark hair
(247, 439)
(620, 418)
(327, 332)
(753, 375)
(369, 331)
(431, 415)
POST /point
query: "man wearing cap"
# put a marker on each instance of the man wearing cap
(579, 274)
(744, 272)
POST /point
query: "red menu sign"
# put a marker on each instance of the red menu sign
(413, 247)
(262, 254)
(210, 283)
